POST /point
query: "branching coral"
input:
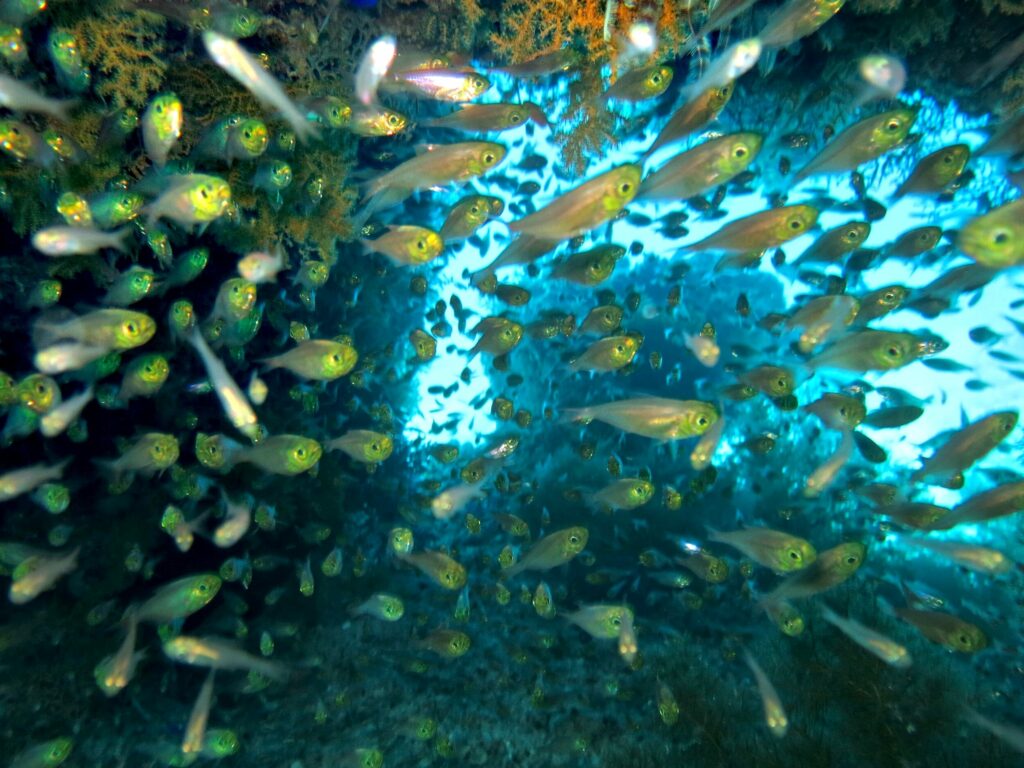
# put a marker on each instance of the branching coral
(587, 127)
(126, 50)
(531, 27)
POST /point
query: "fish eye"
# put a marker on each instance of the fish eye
(616, 621)
(574, 539)
(781, 382)
(740, 152)
(392, 119)
(893, 352)
(947, 159)
(625, 188)
(489, 158)
(475, 210)
(374, 446)
(795, 224)
(202, 586)
(892, 125)
(515, 117)
(851, 560)
(701, 421)
(656, 78)
(158, 108)
(889, 296)
(1000, 237)
(421, 245)
(335, 358)
(964, 640)
(794, 555)
(620, 349)
(204, 191)
(131, 328)
(300, 453)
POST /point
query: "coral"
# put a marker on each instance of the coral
(532, 27)
(587, 127)
(125, 49)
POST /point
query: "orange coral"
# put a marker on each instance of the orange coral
(126, 49)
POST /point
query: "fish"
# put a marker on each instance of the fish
(584, 207)
(446, 643)
(603, 622)
(985, 560)
(1012, 735)
(439, 83)
(1002, 500)
(774, 715)
(776, 550)
(316, 360)
(77, 241)
(48, 754)
(870, 350)
(555, 549)
(162, 123)
(452, 501)
(283, 454)
(831, 568)
(18, 96)
(381, 606)
(838, 411)
(640, 84)
(882, 76)
(759, 231)
(490, 118)
(589, 268)
(195, 198)
(967, 446)
(886, 649)
(468, 215)
(113, 673)
(438, 166)
(825, 473)
(796, 19)
(862, 142)
(439, 567)
(836, 243)
(658, 418)
(708, 165)
(608, 354)
(373, 67)
(195, 728)
(624, 493)
(39, 574)
(945, 629)
(935, 172)
(363, 445)
(995, 239)
(408, 244)
(227, 54)
(692, 116)
(219, 654)
(233, 401)
(735, 61)
(15, 482)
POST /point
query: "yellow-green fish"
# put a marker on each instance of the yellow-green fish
(161, 126)
(880, 302)
(602, 320)
(553, 550)
(468, 215)
(1005, 499)
(216, 653)
(832, 567)
(759, 231)
(706, 166)
(660, 418)
(408, 244)
(318, 360)
(797, 19)
(862, 142)
(194, 198)
(821, 319)
(601, 621)
(774, 714)
(447, 643)
(105, 329)
(624, 493)
(48, 754)
(363, 445)
(583, 208)
(934, 172)
(838, 411)
(787, 618)
(499, 335)
(179, 599)
(441, 568)
(945, 629)
(967, 446)
(438, 167)
(640, 84)
(283, 454)
(995, 239)
(144, 377)
(772, 380)
(153, 452)
(780, 551)
(381, 606)
(591, 267)
(836, 243)
(871, 350)
(693, 116)
(493, 118)
(608, 354)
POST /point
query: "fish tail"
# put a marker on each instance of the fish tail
(569, 415)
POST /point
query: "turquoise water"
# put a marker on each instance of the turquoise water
(550, 677)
